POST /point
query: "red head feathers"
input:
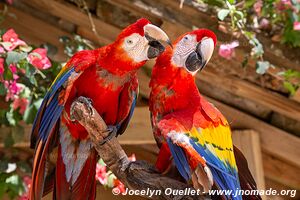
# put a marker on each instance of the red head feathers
(191, 53)
(137, 27)
(136, 44)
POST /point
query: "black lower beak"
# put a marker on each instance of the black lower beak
(195, 61)
(155, 49)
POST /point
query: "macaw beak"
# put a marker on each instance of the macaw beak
(199, 58)
(155, 36)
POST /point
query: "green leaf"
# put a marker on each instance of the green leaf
(2, 90)
(6, 44)
(26, 48)
(110, 180)
(223, 13)
(249, 3)
(240, 14)
(38, 103)
(15, 185)
(29, 114)
(290, 87)
(36, 55)
(31, 111)
(15, 57)
(262, 67)
(40, 73)
(10, 117)
(3, 188)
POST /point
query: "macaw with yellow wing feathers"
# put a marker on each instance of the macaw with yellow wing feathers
(107, 78)
(185, 125)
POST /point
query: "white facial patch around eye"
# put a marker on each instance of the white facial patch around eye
(136, 46)
(183, 48)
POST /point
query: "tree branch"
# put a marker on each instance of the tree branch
(138, 175)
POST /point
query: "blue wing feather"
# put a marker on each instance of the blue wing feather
(225, 176)
(121, 127)
(180, 160)
(50, 110)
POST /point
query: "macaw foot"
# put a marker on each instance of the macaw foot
(112, 132)
(86, 101)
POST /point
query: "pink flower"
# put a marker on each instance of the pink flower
(227, 50)
(24, 196)
(1, 66)
(286, 2)
(2, 50)
(38, 58)
(297, 26)
(12, 89)
(264, 24)
(101, 174)
(12, 39)
(20, 103)
(27, 183)
(284, 5)
(13, 68)
(257, 7)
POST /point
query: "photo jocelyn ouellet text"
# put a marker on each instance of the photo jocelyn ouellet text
(192, 192)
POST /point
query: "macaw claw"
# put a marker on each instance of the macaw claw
(84, 100)
(112, 132)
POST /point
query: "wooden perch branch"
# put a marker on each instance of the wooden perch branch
(138, 175)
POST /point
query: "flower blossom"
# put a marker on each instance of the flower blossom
(1, 66)
(27, 183)
(296, 26)
(11, 40)
(20, 103)
(258, 6)
(13, 89)
(101, 174)
(38, 58)
(2, 50)
(13, 69)
(227, 50)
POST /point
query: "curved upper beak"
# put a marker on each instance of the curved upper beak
(156, 33)
(155, 36)
(199, 58)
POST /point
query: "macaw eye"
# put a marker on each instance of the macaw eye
(187, 38)
(131, 41)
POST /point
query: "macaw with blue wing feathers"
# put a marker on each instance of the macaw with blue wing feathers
(187, 127)
(106, 78)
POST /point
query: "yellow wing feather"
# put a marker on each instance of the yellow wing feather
(217, 140)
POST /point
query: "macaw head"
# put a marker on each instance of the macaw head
(193, 50)
(138, 43)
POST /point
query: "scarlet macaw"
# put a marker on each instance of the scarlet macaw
(105, 77)
(185, 125)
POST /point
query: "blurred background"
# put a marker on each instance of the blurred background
(253, 77)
